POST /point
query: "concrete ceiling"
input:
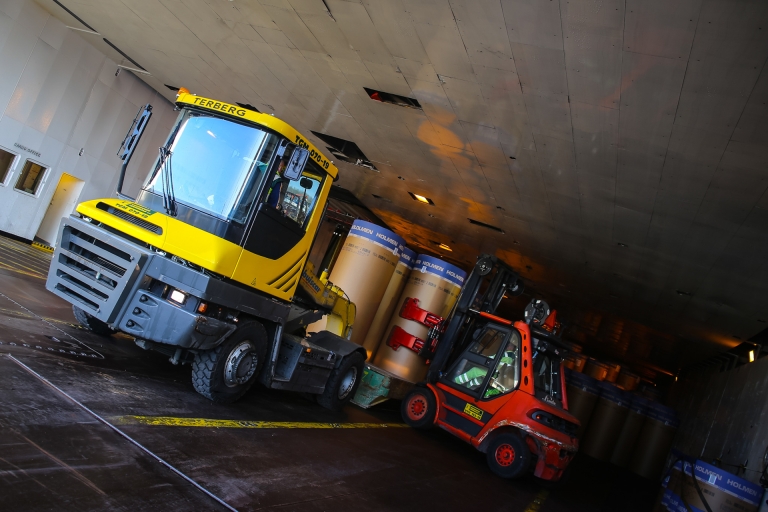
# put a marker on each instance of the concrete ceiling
(622, 146)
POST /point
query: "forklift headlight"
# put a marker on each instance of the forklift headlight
(177, 297)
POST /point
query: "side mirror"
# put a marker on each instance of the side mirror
(296, 164)
(305, 183)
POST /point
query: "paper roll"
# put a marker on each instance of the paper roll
(389, 300)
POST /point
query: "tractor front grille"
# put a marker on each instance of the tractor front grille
(94, 269)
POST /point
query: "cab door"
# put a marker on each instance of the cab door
(486, 370)
(280, 237)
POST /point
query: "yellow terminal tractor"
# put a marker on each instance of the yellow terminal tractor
(209, 263)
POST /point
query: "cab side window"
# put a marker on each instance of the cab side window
(300, 197)
(506, 376)
(471, 370)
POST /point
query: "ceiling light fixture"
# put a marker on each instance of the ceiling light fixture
(751, 356)
(445, 247)
(422, 199)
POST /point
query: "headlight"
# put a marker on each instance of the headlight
(177, 296)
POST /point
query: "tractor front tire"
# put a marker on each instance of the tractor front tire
(225, 373)
(343, 382)
(92, 323)
(508, 456)
(418, 408)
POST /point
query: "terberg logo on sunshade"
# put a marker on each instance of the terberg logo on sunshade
(220, 106)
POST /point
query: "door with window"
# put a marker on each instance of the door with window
(487, 369)
(62, 204)
(283, 216)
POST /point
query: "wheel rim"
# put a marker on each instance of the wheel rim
(241, 364)
(416, 407)
(347, 383)
(505, 455)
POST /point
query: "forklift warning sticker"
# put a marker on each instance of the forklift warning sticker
(473, 411)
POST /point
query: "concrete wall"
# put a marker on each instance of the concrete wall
(725, 415)
(60, 99)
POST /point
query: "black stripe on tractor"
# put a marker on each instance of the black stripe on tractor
(460, 422)
(130, 218)
(272, 282)
(290, 284)
(287, 278)
(459, 404)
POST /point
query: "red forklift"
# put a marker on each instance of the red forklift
(497, 384)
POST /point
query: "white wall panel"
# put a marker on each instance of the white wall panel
(60, 95)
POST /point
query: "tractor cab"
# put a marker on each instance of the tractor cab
(501, 387)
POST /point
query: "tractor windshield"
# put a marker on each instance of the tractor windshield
(213, 165)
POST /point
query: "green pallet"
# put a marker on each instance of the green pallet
(379, 386)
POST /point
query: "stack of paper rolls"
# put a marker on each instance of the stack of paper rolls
(436, 284)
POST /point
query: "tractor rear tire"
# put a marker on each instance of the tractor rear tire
(343, 382)
(418, 408)
(225, 373)
(92, 323)
(508, 456)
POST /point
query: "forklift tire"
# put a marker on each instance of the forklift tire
(418, 408)
(225, 373)
(343, 382)
(91, 323)
(508, 456)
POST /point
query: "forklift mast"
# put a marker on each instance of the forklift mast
(486, 286)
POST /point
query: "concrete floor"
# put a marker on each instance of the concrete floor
(55, 454)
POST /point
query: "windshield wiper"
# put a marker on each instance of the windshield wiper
(169, 196)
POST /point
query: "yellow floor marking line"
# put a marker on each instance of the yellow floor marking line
(538, 501)
(38, 253)
(25, 248)
(169, 421)
(22, 259)
(12, 269)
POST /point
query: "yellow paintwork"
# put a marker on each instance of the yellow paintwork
(341, 319)
(171, 421)
(178, 238)
(267, 120)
